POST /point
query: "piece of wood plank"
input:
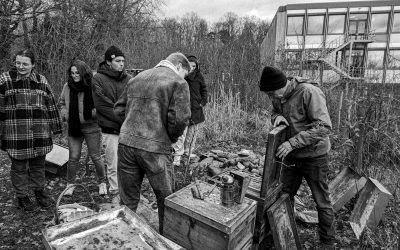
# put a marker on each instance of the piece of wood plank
(370, 206)
(283, 226)
(344, 187)
(272, 168)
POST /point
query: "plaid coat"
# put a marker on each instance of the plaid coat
(28, 114)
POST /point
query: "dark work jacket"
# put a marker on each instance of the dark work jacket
(198, 96)
(304, 107)
(154, 109)
(108, 85)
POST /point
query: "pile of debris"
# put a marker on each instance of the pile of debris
(215, 161)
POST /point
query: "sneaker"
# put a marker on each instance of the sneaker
(102, 189)
(69, 190)
(25, 203)
(177, 161)
(43, 198)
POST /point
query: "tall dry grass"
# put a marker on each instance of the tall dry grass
(230, 120)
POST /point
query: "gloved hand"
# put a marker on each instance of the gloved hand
(280, 119)
(284, 149)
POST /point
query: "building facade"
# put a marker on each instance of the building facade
(337, 40)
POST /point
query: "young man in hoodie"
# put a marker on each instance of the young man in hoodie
(156, 108)
(301, 105)
(108, 84)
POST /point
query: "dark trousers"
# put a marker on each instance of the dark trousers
(133, 164)
(27, 172)
(314, 170)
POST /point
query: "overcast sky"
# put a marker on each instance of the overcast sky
(213, 10)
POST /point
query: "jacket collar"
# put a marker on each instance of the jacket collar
(168, 64)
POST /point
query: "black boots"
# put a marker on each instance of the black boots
(43, 199)
(26, 203)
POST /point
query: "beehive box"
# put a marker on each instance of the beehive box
(118, 228)
(344, 187)
(265, 190)
(370, 206)
(206, 224)
(57, 159)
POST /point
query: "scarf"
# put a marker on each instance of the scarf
(73, 119)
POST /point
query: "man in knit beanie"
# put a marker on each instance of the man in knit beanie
(301, 105)
(108, 84)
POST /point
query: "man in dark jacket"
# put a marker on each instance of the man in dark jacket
(155, 108)
(301, 105)
(198, 99)
(108, 84)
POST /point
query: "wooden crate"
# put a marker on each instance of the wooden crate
(57, 160)
(370, 206)
(344, 187)
(206, 224)
(267, 188)
(118, 228)
(283, 226)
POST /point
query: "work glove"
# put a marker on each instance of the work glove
(284, 149)
(279, 120)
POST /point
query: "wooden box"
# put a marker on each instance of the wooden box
(118, 228)
(267, 188)
(57, 160)
(370, 206)
(283, 226)
(272, 166)
(206, 224)
(344, 187)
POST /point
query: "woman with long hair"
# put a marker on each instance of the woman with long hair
(78, 110)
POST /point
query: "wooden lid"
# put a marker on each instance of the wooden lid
(210, 210)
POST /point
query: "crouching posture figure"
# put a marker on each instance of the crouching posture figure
(301, 105)
(156, 108)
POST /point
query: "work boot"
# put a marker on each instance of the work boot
(25, 203)
(43, 198)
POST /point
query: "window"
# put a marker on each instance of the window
(379, 22)
(375, 58)
(394, 40)
(295, 25)
(315, 25)
(396, 22)
(336, 24)
(314, 42)
(394, 59)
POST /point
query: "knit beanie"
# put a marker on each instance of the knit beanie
(112, 52)
(272, 79)
(192, 58)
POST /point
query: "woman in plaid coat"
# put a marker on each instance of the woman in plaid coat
(28, 115)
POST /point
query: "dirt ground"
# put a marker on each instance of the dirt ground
(21, 230)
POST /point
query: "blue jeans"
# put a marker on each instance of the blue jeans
(314, 170)
(133, 164)
(27, 172)
(92, 135)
